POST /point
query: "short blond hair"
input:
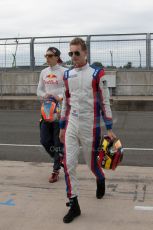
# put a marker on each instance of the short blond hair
(79, 41)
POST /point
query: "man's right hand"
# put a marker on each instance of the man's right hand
(62, 135)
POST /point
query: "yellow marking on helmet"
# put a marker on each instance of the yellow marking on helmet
(108, 163)
(105, 144)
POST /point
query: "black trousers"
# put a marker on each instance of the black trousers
(49, 138)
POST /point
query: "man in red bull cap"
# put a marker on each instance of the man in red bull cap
(50, 89)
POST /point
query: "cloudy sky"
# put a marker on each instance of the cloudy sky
(72, 17)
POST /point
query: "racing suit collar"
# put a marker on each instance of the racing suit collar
(81, 67)
(55, 67)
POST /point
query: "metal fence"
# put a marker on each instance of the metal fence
(110, 50)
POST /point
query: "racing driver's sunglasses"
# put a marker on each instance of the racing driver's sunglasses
(49, 55)
(76, 53)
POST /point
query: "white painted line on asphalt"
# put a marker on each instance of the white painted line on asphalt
(143, 208)
(139, 149)
(24, 145)
(20, 145)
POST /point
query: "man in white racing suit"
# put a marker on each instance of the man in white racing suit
(50, 88)
(86, 100)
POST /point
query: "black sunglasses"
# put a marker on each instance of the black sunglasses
(49, 55)
(76, 53)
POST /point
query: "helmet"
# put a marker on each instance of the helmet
(50, 110)
(110, 153)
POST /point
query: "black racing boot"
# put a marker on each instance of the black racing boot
(74, 210)
(100, 192)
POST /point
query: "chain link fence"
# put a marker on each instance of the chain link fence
(123, 51)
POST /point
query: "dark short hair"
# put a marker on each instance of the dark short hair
(79, 41)
(56, 52)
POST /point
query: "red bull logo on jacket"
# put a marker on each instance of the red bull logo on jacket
(51, 76)
(51, 79)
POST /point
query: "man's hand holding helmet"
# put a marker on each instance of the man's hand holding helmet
(111, 134)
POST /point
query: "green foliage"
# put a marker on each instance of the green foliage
(128, 65)
(97, 64)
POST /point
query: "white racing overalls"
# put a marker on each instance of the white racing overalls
(86, 100)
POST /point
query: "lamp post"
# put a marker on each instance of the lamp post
(140, 58)
(111, 53)
(14, 55)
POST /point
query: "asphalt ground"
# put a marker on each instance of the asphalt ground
(19, 136)
(29, 202)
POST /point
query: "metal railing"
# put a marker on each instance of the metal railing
(122, 51)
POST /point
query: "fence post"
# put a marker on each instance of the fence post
(1, 82)
(88, 48)
(148, 51)
(5, 53)
(32, 56)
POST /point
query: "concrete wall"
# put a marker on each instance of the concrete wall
(134, 83)
(127, 82)
(18, 83)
